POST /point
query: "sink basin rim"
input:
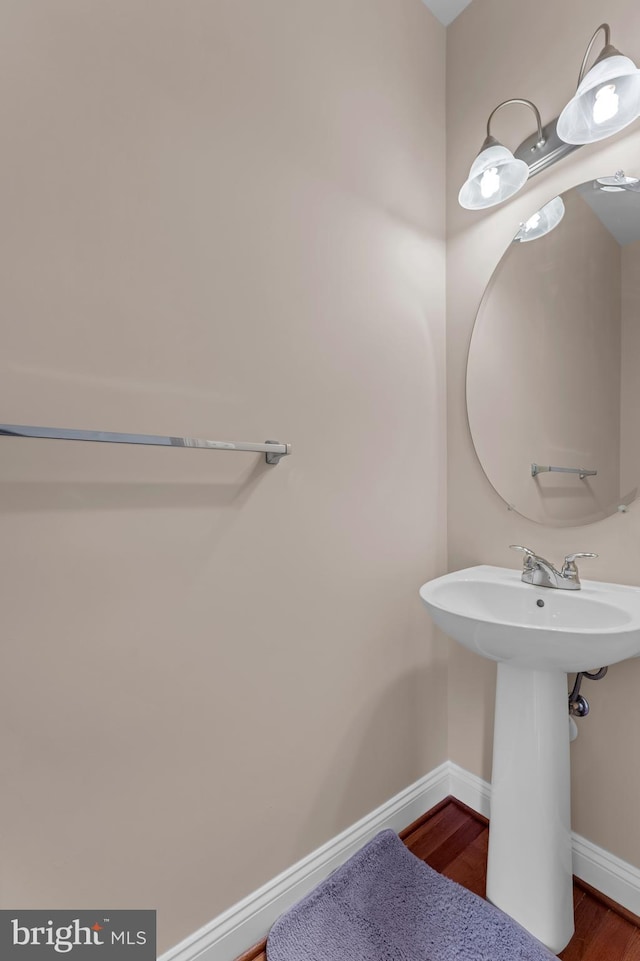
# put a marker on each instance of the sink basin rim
(594, 591)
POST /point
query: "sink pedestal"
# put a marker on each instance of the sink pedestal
(537, 635)
(529, 872)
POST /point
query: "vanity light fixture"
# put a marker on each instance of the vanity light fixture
(607, 98)
(496, 174)
(542, 222)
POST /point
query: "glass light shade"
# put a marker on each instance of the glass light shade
(542, 222)
(607, 100)
(495, 175)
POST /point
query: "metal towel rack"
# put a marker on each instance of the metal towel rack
(581, 471)
(272, 449)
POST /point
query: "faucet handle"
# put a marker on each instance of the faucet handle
(529, 560)
(570, 558)
(570, 569)
(525, 550)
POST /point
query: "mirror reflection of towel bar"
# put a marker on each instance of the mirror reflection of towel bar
(581, 471)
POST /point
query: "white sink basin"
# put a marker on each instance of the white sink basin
(490, 611)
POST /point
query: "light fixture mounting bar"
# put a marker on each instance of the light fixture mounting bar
(538, 156)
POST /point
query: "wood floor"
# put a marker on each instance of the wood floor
(453, 839)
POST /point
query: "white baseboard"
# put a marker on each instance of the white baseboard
(470, 789)
(248, 921)
(607, 873)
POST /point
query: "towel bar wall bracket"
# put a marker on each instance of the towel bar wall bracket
(273, 457)
(272, 449)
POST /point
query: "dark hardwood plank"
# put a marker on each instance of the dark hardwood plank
(445, 853)
(613, 939)
(422, 820)
(623, 912)
(589, 915)
(432, 832)
(442, 839)
(472, 814)
(578, 894)
(633, 951)
(469, 868)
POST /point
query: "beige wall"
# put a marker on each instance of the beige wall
(630, 382)
(543, 379)
(498, 49)
(223, 219)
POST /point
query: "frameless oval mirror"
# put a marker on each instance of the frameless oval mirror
(553, 374)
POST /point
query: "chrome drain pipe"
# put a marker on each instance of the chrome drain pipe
(578, 704)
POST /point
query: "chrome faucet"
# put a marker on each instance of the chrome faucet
(539, 572)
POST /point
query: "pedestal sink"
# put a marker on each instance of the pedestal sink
(537, 635)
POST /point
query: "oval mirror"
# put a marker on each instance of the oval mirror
(553, 374)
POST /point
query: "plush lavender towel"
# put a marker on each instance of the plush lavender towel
(385, 904)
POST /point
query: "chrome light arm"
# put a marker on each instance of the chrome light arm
(527, 103)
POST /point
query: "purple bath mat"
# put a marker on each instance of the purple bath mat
(385, 904)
